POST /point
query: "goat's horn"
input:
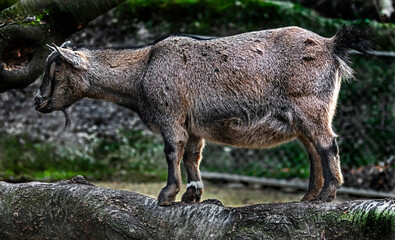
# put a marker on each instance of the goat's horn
(51, 47)
(57, 49)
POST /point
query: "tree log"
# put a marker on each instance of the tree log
(28, 25)
(76, 209)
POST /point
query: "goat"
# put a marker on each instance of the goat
(254, 90)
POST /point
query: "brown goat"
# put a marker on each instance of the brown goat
(255, 90)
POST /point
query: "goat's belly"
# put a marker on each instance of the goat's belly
(262, 134)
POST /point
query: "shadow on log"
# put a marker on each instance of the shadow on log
(76, 209)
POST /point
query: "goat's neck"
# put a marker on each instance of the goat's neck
(114, 75)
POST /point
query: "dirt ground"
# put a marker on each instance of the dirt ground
(229, 195)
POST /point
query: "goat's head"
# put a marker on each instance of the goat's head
(63, 82)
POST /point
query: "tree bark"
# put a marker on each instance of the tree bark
(28, 25)
(75, 209)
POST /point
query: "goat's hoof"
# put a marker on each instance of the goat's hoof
(192, 195)
(162, 202)
(165, 200)
(315, 201)
(308, 197)
(326, 195)
(328, 198)
(167, 196)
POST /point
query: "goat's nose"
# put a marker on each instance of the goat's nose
(37, 100)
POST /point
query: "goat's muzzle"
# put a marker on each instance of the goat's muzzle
(41, 105)
(40, 102)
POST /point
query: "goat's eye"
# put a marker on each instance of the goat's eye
(57, 72)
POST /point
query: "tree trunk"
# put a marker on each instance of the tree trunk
(75, 209)
(28, 25)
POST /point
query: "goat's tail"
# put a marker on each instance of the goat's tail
(351, 38)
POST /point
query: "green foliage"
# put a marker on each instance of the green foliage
(131, 156)
(130, 151)
(286, 161)
(227, 17)
(207, 16)
(366, 113)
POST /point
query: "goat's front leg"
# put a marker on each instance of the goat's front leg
(192, 156)
(174, 148)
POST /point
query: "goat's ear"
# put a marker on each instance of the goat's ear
(75, 58)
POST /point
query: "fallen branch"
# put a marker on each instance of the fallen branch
(381, 54)
(295, 184)
(75, 209)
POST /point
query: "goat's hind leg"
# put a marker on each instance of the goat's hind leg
(325, 144)
(192, 156)
(175, 140)
(324, 141)
(316, 177)
(333, 177)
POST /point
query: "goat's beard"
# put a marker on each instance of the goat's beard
(67, 119)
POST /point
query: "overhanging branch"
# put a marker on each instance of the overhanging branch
(28, 25)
